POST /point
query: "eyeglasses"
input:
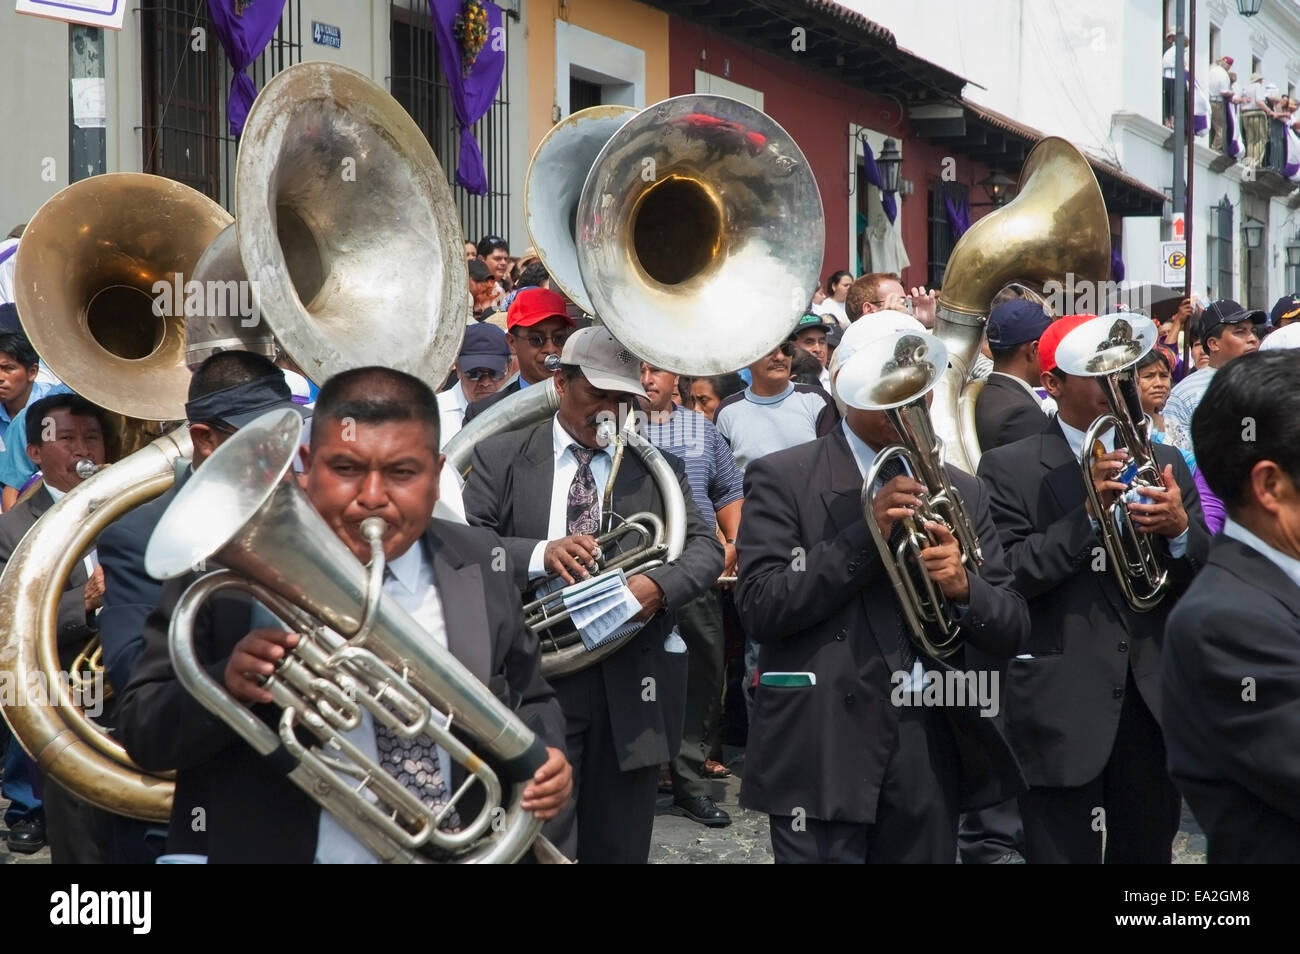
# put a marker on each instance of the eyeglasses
(478, 374)
(907, 304)
(537, 340)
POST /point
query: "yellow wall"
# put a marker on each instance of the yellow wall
(623, 20)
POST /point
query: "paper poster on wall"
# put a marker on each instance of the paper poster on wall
(98, 13)
(89, 106)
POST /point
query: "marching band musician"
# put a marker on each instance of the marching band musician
(373, 452)
(1231, 662)
(845, 771)
(62, 430)
(1083, 702)
(541, 489)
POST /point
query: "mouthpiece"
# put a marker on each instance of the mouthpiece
(606, 433)
(87, 469)
(372, 528)
(552, 362)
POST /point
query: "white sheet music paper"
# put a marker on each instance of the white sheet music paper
(600, 607)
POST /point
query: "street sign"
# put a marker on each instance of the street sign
(1173, 264)
(97, 13)
(325, 34)
(1179, 231)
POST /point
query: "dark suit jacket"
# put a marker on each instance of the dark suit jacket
(1063, 705)
(814, 594)
(1005, 413)
(130, 594)
(75, 626)
(1232, 744)
(509, 491)
(475, 408)
(252, 812)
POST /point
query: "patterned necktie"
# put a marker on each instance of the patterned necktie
(907, 655)
(415, 764)
(583, 508)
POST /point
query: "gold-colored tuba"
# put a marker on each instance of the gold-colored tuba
(1055, 230)
(1109, 348)
(87, 279)
(894, 373)
(243, 511)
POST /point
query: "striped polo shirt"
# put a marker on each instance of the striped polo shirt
(714, 479)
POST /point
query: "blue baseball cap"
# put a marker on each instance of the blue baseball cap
(484, 346)
(1015, 322)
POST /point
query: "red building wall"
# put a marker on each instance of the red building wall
(817, 110)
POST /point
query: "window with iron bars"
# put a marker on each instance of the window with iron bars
(1220, 250)
(186, 135)
(418, 83)
(941, 240)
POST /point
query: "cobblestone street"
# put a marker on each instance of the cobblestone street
(745, 841)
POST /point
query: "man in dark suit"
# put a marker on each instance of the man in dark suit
(541, 489)
(227, 390)
(846, 755)
(373, 453)
(1007, 408)
(536, 327)
(1231, 667)
(1083, 703)
(62, 431)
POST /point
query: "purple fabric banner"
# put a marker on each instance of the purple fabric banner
(1116, 264)
(1232, 142)
(958, 215)
(872, 172)
(472, 94)
(244, 27)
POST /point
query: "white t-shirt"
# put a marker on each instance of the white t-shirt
(1254, 95)
(1283, 338)
(1218, 83)
(833, 308)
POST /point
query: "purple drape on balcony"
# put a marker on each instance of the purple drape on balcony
(472, 95)
(244, 29)
(958, 213)
(872, 173)
(1116, 264)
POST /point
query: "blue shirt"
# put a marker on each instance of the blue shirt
(16, 468)
(714, 478)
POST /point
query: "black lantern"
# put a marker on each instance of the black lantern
(1248, 8)
(998, 187)
(888, 163)
(1252, 232)
(1293, 251)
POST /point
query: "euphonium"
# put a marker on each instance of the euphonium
(1055, 230)
(1108, 348)
(243, 511)
(894, 374)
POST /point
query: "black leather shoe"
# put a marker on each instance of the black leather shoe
(27, 835)
(701, 809)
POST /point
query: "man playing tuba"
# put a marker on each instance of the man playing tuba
(373, 453)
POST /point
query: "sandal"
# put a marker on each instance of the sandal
(716, 770)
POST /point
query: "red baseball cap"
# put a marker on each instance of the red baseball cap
(1052, 337)
(533, 305)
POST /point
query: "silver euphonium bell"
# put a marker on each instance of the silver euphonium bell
(243, 511)
(894, 374)
(1109, 348)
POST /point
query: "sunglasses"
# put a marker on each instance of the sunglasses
(480, 374)
(538, 340)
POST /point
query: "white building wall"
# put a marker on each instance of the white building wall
(1089, 70)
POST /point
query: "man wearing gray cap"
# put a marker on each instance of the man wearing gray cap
(541, 489)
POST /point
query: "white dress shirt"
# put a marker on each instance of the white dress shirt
(1287, 564)
(411, 585)
(451, 412)
(1074, 436)
(566, 468)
